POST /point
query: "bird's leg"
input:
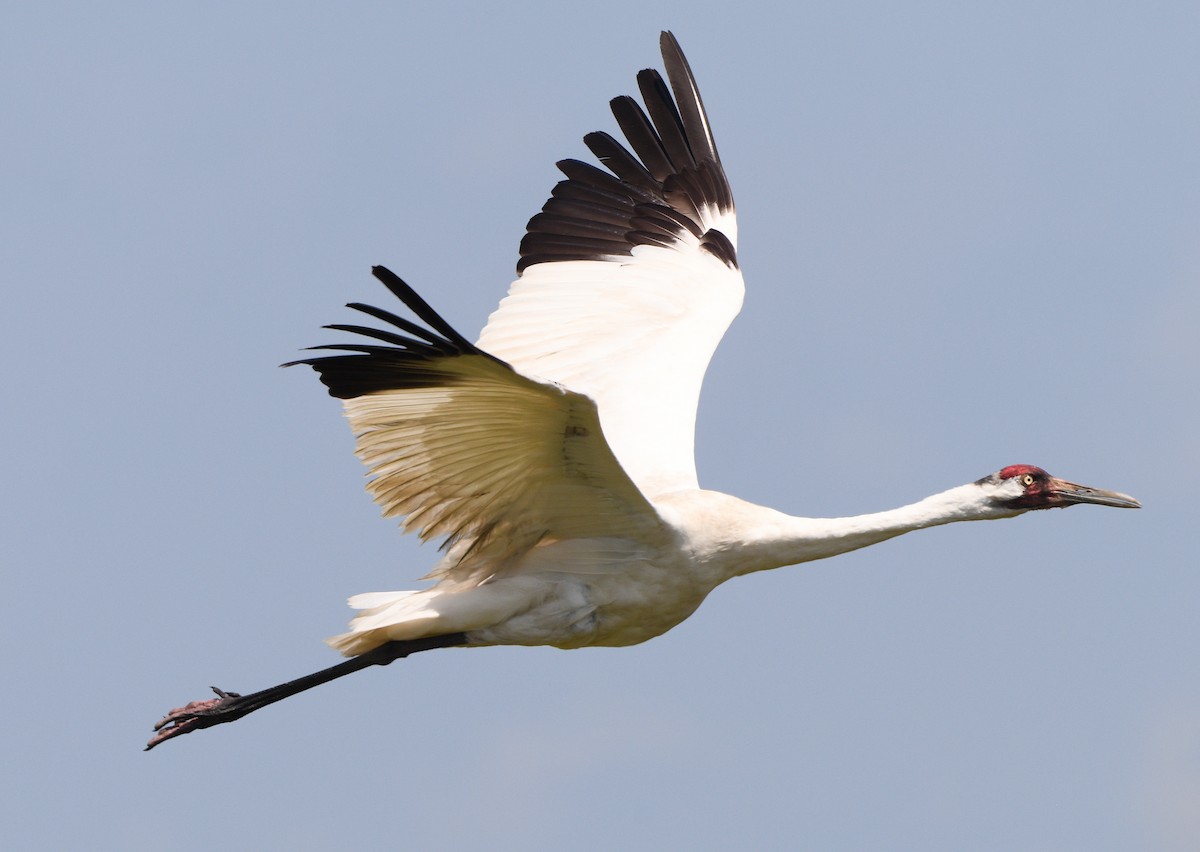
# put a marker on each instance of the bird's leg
(231, 706)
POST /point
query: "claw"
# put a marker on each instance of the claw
(193, 716)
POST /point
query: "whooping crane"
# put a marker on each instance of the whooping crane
(555, 456)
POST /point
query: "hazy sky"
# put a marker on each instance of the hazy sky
(971, 237)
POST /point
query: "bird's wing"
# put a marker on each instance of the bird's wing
(628, 280)
(464, 447)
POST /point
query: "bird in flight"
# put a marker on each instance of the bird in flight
(554, 457)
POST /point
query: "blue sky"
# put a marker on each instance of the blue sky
(971, 237)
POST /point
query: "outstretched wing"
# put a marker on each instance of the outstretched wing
(464, 447)
(628, 280)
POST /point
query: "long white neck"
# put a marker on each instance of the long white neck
(755, 538)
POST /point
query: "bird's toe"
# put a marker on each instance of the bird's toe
(193, 716)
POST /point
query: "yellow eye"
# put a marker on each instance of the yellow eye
(1027, 479)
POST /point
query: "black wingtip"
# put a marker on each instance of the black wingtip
(669, 162)
(406, 294)
(404, 357)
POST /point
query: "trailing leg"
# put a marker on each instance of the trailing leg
(231, 706)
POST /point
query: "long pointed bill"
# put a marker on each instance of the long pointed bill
(1068, 493)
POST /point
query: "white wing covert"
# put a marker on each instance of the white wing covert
(464, 447)
(629, 280)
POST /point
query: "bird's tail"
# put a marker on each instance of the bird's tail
(385, 617)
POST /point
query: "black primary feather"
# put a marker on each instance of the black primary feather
(670, 176)
(409, 361)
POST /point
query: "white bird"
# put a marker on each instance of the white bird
(555, 456)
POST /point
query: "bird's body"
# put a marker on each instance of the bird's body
(621, 591)
(555, 456)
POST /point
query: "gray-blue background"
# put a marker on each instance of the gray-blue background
(971, 237)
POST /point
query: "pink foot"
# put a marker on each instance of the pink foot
(194, 716)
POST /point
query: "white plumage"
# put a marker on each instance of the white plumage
(555, 456)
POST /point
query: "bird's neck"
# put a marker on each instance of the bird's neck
(778, 539)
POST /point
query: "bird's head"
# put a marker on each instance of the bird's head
(1021, 487)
